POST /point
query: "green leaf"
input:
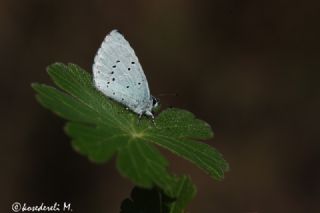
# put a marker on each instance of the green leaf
(101, 128)
(184, 191)
(178, 131)
(155, 200)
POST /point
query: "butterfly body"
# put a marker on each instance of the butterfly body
(117, 73)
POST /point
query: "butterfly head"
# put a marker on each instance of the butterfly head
(155, 102)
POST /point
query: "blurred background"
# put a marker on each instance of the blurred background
(249, 68)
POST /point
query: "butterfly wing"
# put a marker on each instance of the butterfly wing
(118, 73)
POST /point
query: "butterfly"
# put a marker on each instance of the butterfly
(118, 74)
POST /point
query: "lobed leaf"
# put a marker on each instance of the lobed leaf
(184, 191)
(101, 128)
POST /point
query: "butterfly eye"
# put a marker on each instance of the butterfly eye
(155, 102)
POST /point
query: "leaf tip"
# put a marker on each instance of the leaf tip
(52, 68)
(37, 87)
(34, 85)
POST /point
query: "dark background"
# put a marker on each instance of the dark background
(249, 68)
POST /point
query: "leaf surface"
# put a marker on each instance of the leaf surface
(101, 129)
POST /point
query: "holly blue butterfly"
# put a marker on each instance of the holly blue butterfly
(118, 74)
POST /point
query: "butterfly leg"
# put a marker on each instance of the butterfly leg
(152, 117)
(140, 116)
(153, 121)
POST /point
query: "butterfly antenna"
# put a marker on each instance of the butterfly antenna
(168, 94)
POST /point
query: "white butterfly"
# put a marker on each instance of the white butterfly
(118, 74)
